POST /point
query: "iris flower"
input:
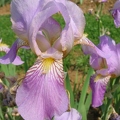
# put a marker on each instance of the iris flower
(105, 68)
(5, 48)
(42, 95)
(116, 13)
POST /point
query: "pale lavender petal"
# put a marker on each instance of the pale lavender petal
(51, 29)
(62, 6)
(42, 94)
(22, 13)
(103, 0)
(103, 71)
(116, 13)
(66, 40)
(90, 48)
(42, 42)
(52, 53)
(77, 20)
(36, 23)
(73, 114)
(10, 57)
(17, 61)
(98, 85)
(108, 45)
(21, 8)
(95, 61)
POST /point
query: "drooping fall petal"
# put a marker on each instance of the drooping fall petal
(98, 85)
(42, 94)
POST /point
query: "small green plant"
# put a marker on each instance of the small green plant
(3, 2)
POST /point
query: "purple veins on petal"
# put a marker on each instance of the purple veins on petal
(42, 94)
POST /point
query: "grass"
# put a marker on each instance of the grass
(108, 23)
(3, 2)
(6, 32)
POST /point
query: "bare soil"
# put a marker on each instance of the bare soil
(5, 10)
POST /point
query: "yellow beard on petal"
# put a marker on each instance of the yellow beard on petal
(98, 77)
(47, 62)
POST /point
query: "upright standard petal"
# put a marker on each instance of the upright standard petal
(73, 114)
(52, 30)
(77, 20)
(98, 85)
(22, 12)
(65, 42)
(42, 94)
(36, 24)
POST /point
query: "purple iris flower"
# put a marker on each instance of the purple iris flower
(105, 68)
(42, 94)
(116, 13)
(73, 114)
